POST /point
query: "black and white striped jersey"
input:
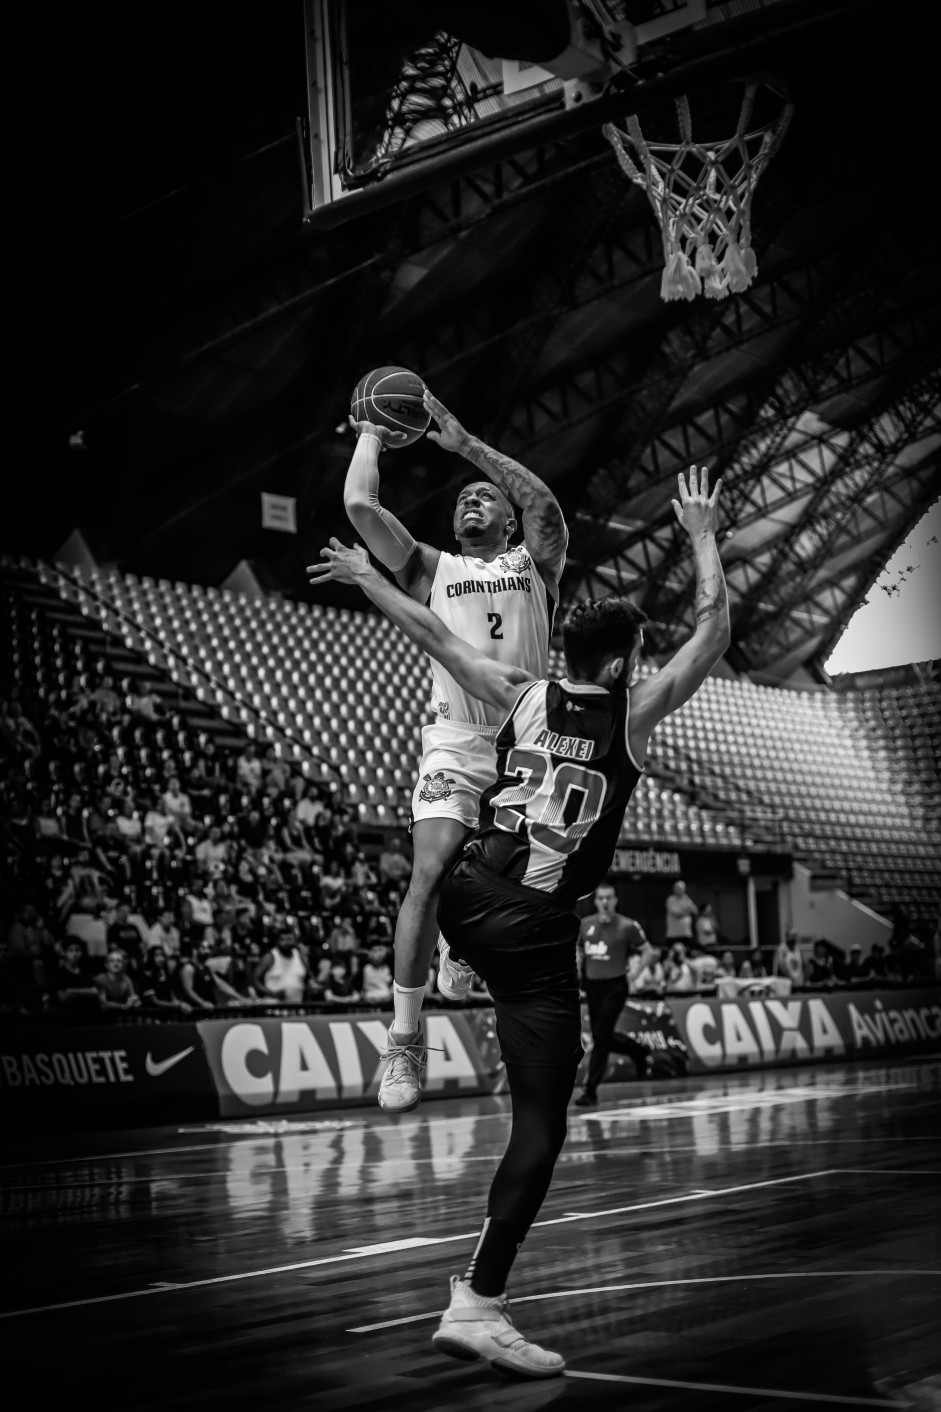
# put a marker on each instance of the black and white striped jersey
(564, 776)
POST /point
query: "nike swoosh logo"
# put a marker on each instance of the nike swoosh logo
(156, 1067)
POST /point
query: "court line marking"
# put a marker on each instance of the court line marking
(782, 1393)
(361, 1253)
(663, 1284)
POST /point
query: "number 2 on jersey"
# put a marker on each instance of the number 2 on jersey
(496, 623)
(574, 800)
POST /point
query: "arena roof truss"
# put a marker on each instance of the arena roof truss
(526, 292)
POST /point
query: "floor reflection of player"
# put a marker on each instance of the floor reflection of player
(569, 755)
(499, 599)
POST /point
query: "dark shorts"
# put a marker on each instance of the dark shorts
(524, 948)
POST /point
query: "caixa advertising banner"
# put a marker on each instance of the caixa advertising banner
(143, 1073)
(264, 1066)
(807, 1029)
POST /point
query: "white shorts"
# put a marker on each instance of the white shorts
(457, 765)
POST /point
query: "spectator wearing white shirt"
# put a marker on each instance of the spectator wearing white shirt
(680, 909)
(177, 805)
(248, 769)
(165, 934)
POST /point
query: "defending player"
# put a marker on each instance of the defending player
(501, 601)
(569, 755)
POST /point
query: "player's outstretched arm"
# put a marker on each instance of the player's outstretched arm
(495, 682)
(657, 697)
(412, 562)
(544, 526)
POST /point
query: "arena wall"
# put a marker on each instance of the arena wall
(831, 913)
(255, 1067)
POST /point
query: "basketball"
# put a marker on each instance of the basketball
(391, 397)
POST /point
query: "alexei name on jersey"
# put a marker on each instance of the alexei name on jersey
(492, 586)
(573, 747)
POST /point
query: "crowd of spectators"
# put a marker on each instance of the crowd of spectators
(145, 867)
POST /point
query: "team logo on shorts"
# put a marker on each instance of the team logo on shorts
(435, 787)
(515, 561)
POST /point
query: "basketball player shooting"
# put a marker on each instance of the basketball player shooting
(569, 754)
(501, 601)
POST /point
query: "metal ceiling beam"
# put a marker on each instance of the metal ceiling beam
(857, 473)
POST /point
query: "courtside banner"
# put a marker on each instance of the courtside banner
(807, 1029)
(137, 1070)
(266, 1066)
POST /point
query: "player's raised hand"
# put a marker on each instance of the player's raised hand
(697, 510)
(384, 435)
(343, 565)
(450, 434)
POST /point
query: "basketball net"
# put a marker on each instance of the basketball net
(702, 198)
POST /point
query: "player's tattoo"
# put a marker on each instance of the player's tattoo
(711, 596)
(543, 521)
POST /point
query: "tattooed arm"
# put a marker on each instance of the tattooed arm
(658, 696)
(543, 525)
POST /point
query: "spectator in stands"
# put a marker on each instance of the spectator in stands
(648, 976)
(131, 829)
(342, 937)
(705, 929)
(293, 845)
(146, 705)
(788, 960)
(821, 971)
(248, 770)
(212, 853)
(394, 864)
(30, 958)
(704, 966)
(197, 911)
(165, 933)
(362, 873)
(310, 806)
(753, 967)
(276, 773)
(115, 987)
(333, 886)
(878, 963)
(178, 806)
(680, 911)
(106, 699)
(726, 968)
(158, 984)
(282, 974)
(123, 935)
(377, 977)
(161, 834)
(89, 884)
(254, 831)
(74, 983)
(678, 972)
(200, 985)
(856, 971)
(339, 989)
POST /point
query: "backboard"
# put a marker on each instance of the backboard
(397, 104)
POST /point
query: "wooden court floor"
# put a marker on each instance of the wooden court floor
(766, 1240)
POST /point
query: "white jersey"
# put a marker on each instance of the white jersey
(503, 609)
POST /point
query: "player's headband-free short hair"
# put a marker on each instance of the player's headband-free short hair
(598, 629)
(507, 503)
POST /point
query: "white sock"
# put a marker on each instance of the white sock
(479, 1301)
(407, 1001)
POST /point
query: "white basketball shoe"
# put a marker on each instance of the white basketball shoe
(473, 1327)
(400, 1086)
(454, 978)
